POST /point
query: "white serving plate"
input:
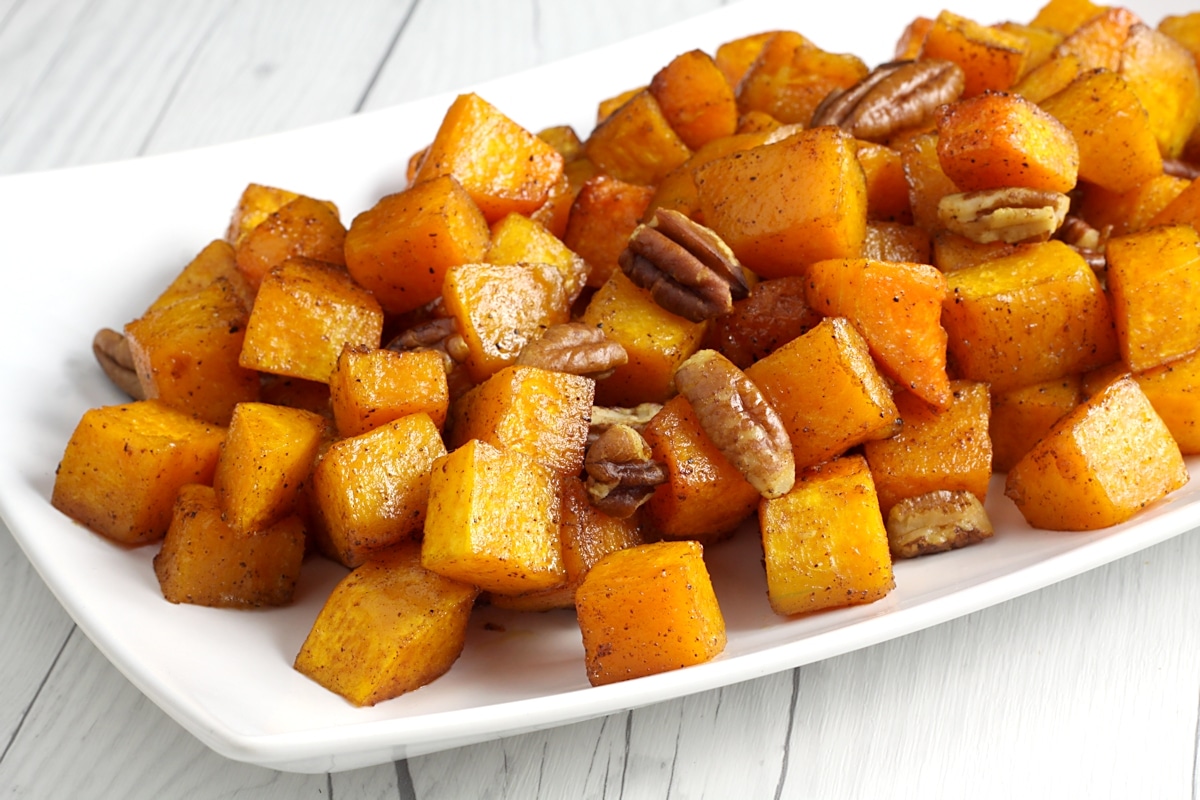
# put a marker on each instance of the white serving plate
(91, 247)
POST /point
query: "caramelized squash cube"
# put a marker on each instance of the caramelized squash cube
(303, 316)
(216, 260)
(1174, 391)
(1163, 74)
(389, 627)
(824, 542)
(1134, 210)
(493, 521)
(646, 610)
(782, 206)
(267, 456)
(895, 241)
(401, 247)
(636, 143)
(124, 464)
(1021, 416)
(827, 391)
(517, 239)
(604, 214)
(1154, 284)
(791, 76)
(695, 98)
(705, 497)
(205, 562)
(1100, 40)
(735, 57)
(255, 204)
(774, 313)
(186, 353)
(991, 59)
(371, 387)
(1102, 463)
(301, 228)
(1032, 316)
(372, 490)
(934, 449)
(539, 413)
(1065, 16)
(927, 181)
(887, 186)
(502, 166)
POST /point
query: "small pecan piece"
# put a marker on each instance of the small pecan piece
(111, 350)
(936, 521)
(605, 417)
(739, 420)
(621, 471)
(577, 348)
(688, 268)
(1012, 214)
(895, 96)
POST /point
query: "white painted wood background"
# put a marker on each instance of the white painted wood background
(1089, 688)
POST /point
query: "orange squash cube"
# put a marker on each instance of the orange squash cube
(216, 260)
(1174, 391)
(124, 464)
(371, 387)
(1049, 78)
(696, 99)
(648, 609)
(824, 542)
(827, 391)
(493, 521)
(934, 449)
(791, 76)
(301, 228)
(517, 239)
(372, 490)
(501, 166)
(1136, 209)
(735, 57)
(784, 205)
(389, 627)
(895, 241)
(303, 316)
(1065, 16)
(1163, 74)
(604, 214)
(1100, 464)
(401, 247)
(992, 59)
(774, 313)
(205, 562)
(927, 181)
(636, 143)
(887, 186)
(267, 456)
(1021, 416)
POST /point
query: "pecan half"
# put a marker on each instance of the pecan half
(1012, 214)
(688, 268)
(1178, 168)
(605, 417)
(577, 348)
(739, 420)
(111, 349)
(895, 96)
(1089, 242)
(621, 471)
(936, 521)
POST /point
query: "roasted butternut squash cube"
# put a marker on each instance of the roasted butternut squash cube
(1042, 42)
(493, 521)
(1021, 416)
(1032, 316)
(1117, 146)
(827, 391)
(587, 534)
(301, 228)
(677, 190)
(992, 59)
(1174, 391)
(927, 181)
(500, 308)
(389, 627)
(1154, 285)
(401, 247)
(1050, 77)
(255, 204)
(205, 562)
(705, 497)
(1065, 16)
(1100, 464)
(372, 490)
(791, 76)
(124, 464)
(604, 214)
(636, 143)
(517, 239)
(267, 456)
(887, 187)
(695, 98)
(655, 340)
(1134, 210)
(895, 241)
(502, 166)
(371, 387)
(947, 448)
(539, 413)
(824, 542)
(215, 261)
(784, 205)
(995, 140)
(1181, 209)
(953, 251)
(1163, 74)
(186, 353)
(736, 56)
(303, 316)
(897, 307)
(1100, 40)
(646, 610)
(606, 107)
(774, 313)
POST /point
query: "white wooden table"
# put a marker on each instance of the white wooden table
(1089, 688)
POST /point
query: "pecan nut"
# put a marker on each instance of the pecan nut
(688, 268)
(112, 352)
(621, 471)
(894, 96)
(936, 521)
(739, 420)
(605, 417)
(1011, 214)
(1089, 242)
(577, 348)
